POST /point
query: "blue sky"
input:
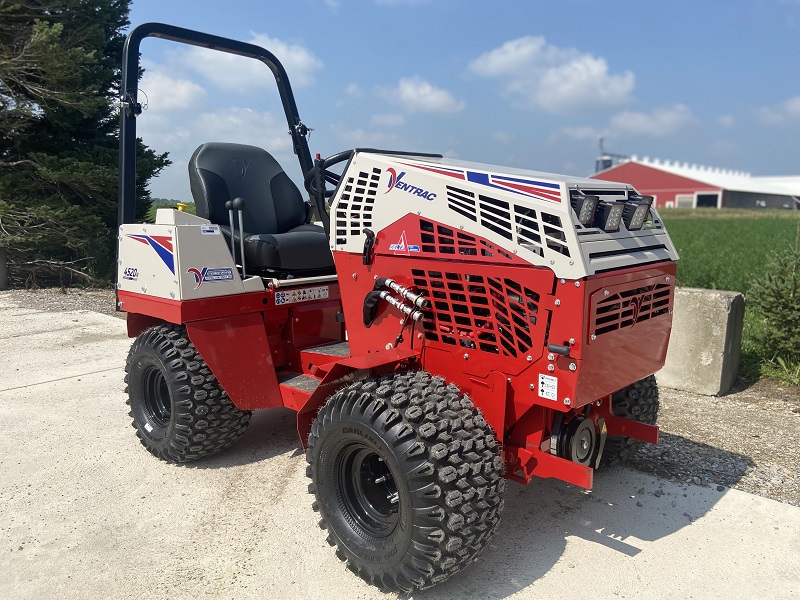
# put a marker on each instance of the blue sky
(529, 84)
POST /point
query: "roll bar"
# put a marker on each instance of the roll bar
(131, 107)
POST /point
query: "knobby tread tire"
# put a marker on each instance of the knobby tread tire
(638, 402)
(202, 419)
(451, 484)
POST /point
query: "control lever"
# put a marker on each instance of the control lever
(229, 206)
(369, 247)
(238, 205)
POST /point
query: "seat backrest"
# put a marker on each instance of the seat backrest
(219, 172)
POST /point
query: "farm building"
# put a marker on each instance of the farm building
(680, 185)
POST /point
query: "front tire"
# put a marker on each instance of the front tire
(407, 477)
(179, 410)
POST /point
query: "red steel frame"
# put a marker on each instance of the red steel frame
(491, 318)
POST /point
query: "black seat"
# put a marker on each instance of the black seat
(277, 235)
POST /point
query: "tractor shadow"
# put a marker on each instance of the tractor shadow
(272, 432)
(630, 507)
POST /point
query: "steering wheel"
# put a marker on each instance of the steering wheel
(310, 180)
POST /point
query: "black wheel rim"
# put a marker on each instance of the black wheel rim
(367, 491)
(157, 401)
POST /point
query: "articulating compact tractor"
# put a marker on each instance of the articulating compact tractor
(443, 327)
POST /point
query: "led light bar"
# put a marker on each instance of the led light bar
(636, 211)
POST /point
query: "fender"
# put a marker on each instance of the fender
(237, 351)
(347, 371)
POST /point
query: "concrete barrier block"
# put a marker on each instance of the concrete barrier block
(706, 342)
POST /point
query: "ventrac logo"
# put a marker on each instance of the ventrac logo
(210, 275)
(635, 305)
(395, 182)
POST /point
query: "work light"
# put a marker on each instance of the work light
(609, 216)
(585, 207)
(636, 210)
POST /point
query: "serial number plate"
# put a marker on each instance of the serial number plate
(301, 295)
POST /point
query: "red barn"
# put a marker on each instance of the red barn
(674, 184)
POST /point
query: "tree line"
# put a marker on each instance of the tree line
(59, 136)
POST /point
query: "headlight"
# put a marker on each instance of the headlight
(585, 208)
(609, 216)
(637, 208)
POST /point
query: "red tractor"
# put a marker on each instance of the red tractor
(443, 327)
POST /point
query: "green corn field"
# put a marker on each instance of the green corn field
(725, 250)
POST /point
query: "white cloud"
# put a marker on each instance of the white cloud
(165, 93)
(387, 120)
(785, 112)
(180, 132)
(538, 75)
(245, 126)
(401, 2)
(366, 138)
(503, 137)
(727, 121)
(237, 73)
(659, 122)
(354, 90)
(415, 94)
(579, 133)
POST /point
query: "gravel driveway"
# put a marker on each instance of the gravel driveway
(746, 440)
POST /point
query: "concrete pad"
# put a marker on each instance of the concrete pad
(706, 342)
(37, 346)
(18, 322)
(88, 513)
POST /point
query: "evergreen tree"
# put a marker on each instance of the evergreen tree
(59, 77)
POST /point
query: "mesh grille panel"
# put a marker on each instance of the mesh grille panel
(626, 308)
(488, 314)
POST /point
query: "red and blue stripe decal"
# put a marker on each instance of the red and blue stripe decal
(541, 190)
(162, 244)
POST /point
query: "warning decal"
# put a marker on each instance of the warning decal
(548, 387)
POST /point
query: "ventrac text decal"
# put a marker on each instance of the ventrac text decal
(541, 190)
(395, 182)
(210, 275)
(162, 244)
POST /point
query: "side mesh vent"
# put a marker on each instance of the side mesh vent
(523, 225)
(354, 209)
(488, 314)
(438, 239)
(554, 233)
(462, 202)
(626, 308)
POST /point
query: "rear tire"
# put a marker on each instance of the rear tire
(179, 410)
(638, 402)
(407, 477)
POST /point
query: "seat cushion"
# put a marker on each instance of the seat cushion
(304, 248)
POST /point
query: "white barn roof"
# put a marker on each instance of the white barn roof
(724, 179)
